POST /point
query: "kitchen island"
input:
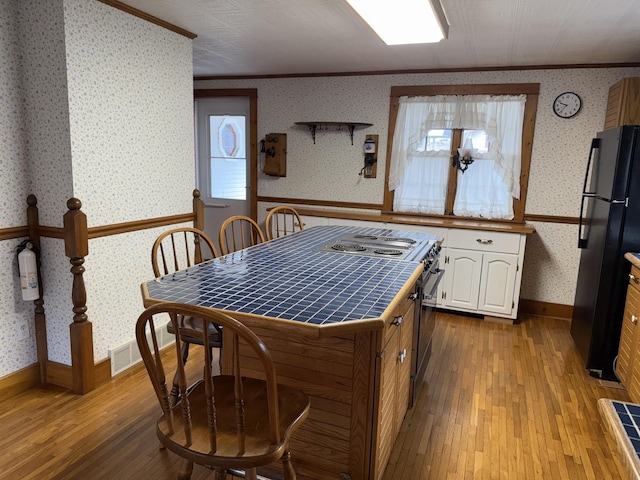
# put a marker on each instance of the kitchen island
(338, 326)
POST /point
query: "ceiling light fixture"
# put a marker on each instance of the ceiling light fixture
(401, 22)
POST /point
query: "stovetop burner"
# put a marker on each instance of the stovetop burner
(365, 237)
(343, 247)
(384, 246)
(388, 251)
(409, 241)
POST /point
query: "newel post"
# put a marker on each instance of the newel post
(33, 223)
(76, 247)
(198, 210)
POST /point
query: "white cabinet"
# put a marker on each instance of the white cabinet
(482, 272)
(497, 283)
(482, 268)
(462, 279)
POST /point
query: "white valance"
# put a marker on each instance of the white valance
(500, 117)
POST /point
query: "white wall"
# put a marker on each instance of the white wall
(329, 169)
(100, 107)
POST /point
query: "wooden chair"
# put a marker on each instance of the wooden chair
(281, 221)
(239, 232)
(175, 250)
(225, 422)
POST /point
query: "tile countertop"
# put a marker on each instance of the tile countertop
(622, 420)
(289, 279)
(634, 258)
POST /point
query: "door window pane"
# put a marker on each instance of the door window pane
(228, 159)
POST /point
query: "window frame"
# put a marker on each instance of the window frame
(531, 90)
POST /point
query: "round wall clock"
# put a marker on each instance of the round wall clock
(567, 105)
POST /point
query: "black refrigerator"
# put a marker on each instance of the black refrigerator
(609, 227)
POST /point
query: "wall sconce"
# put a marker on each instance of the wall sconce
(463, 158)
(370, 156)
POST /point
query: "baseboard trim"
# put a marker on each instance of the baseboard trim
(546, 309)
(18, 382)
(62, 375)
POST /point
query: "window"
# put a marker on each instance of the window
(494, 123)
(228, 157)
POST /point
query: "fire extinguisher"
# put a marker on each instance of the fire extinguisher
(28, 271)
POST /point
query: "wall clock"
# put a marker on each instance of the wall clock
(567, 105)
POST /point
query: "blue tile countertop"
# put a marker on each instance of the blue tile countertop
(623, 423)
(290, 279)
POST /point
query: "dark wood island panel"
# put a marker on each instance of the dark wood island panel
(338, 374)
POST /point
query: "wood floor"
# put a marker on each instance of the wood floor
(498, 401)
(505, 402)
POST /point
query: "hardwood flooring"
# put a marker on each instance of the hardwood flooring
(498, 401)
(505, 402)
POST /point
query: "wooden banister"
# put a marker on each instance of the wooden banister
(198, 210)
(76, 247)
(33, 224)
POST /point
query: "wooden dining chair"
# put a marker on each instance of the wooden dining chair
(175, 250)
(239, 232)
(281, 221)
(230, 422)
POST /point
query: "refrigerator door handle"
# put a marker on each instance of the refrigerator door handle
(625, 202)
(582, 242)
(595, 144)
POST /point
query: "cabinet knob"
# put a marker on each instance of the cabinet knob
(634, 319)
(413, 296)
(397, 321)
(484, 241)
(402, 355)
(633, 278)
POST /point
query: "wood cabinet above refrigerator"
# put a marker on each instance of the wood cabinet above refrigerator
(623, 104)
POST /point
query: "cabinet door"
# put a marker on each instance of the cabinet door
(497, 283)
(628, 337)
(462, 278)
(386, 432)
(403, 372)
(623, 104)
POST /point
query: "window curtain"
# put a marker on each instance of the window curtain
(500, 117)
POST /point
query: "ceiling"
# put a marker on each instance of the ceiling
(279, 37)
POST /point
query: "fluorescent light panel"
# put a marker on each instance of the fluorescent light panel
(400, 22)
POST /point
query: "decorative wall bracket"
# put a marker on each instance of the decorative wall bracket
(350, 126)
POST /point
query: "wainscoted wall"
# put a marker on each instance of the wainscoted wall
(329, 169)
(101, 110)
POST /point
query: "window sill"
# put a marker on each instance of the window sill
(444, 222)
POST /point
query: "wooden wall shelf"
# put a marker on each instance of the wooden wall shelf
(350, 126)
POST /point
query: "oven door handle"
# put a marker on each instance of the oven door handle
(432, 294)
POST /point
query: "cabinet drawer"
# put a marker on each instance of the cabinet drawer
(486, 241)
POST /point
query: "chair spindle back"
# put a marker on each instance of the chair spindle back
(239, 232)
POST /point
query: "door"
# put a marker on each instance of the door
(223, 159)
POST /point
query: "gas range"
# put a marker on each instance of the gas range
(411, 247)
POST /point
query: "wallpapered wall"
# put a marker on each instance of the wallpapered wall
(121, 140)
(15, 350)
(329, 169)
